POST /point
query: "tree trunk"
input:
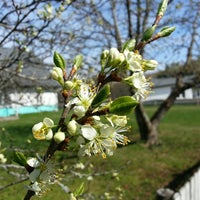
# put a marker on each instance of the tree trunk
(149, 126)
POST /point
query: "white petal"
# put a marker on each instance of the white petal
(37, 127)
(107, 131)
(49, 135)
(34, 187)
(34, 175)
(88, 132)
(48, 122)
(33, 162)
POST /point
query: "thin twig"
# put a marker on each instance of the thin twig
(13, 183)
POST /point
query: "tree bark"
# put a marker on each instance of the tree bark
(149, 126)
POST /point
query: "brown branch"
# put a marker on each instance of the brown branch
(130, 26)
(18, 23)
(13, 183)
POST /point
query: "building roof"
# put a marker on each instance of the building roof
(168, 81)
(33, 74)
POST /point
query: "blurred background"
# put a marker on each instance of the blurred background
(167, 121)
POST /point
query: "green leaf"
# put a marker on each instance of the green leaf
(130, 45)
(20, 158)
(123, 105)
(59, 60)
(101, 96)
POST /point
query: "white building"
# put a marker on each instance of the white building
(163, 86)
(31, 90)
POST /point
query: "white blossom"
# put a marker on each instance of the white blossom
(42, 130)
(141, 85)
(133, 60)
(101, 140)
(83, 100)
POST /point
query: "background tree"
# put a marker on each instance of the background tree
(119, 20)
(86, 25)
(27, 32)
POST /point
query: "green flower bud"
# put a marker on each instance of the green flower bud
(57, 74)
(162, 8)
(69, 85)
(59, 137)
(59, 60)
(166, 31)
(104, 58)
(121, 57)
(78, 61)
(148, 33)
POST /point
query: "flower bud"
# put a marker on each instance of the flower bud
(78, 61)
(162, 8)
(121, 57)
(114, 53)
(148, 34)
(104, 58)
(2, 158)
(149, 64)
(115, 58)
(166, 31)
(57, 74)
(69, 85)
(59, 137)
(79, 111)
(72, 127)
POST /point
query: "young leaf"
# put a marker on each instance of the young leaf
(123, 105)
(59, 60)
(20, 158)
(101, 96)
(129, 45)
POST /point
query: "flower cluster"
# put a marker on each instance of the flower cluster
(84, 96)
(102, 138)
(86, 104)
(92, 123)
(131, 61)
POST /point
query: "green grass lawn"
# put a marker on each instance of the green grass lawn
(141, 171)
